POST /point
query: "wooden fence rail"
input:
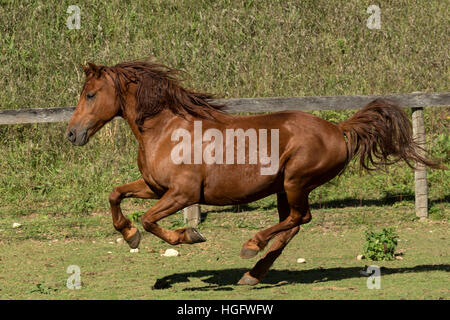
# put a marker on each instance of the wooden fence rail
(416, 101)
(252, 105)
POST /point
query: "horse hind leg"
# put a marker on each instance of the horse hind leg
(285, 211)
(257, 273)
(256, 244)
(296, 203)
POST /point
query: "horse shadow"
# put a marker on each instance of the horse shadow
(389, 199)
(226, 279)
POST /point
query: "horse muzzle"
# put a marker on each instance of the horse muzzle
(78, 137)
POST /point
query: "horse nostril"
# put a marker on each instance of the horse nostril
(71, 135)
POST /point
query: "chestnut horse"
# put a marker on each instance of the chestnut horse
(311, 150)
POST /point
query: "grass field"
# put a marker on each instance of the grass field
(232, 48)
(210, 270)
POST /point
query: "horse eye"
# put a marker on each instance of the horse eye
(90, 95)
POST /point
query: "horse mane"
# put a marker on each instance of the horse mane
(158, 88)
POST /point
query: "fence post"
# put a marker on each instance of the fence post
(420, 174)
(192, 215)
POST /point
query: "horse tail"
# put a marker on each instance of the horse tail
(381, 134)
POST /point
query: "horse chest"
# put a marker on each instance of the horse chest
(151, 172)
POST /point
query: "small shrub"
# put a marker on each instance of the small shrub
(42, 288)
(380, 245)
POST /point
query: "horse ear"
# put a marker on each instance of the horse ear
(94, 68)
(86, 69)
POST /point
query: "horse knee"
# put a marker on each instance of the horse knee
(147, 223)
(115, 197)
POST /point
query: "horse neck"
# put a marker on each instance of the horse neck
(159, 121)
(129, 114)
(156, 123)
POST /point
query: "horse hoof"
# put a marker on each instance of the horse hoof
(134, 240)
(248, 280)
(247, 253)
(194, 236)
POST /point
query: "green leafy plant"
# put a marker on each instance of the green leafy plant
(136, 216)
(42, 288)
(380, 245)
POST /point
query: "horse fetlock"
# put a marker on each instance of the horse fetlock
(122, 225)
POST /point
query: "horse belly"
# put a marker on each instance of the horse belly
(234, 184)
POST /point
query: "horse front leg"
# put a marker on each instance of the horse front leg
(171, 202)
(135, 189)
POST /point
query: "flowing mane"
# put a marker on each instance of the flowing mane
(158, 88)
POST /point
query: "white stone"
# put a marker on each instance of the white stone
(359, 257)
(16, 225)
(134, 250)
(301, 260)
(170, 253)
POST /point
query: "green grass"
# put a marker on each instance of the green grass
(240, 48)
(210, 270)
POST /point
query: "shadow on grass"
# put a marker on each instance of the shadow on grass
(388, 200)
(223, 280)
